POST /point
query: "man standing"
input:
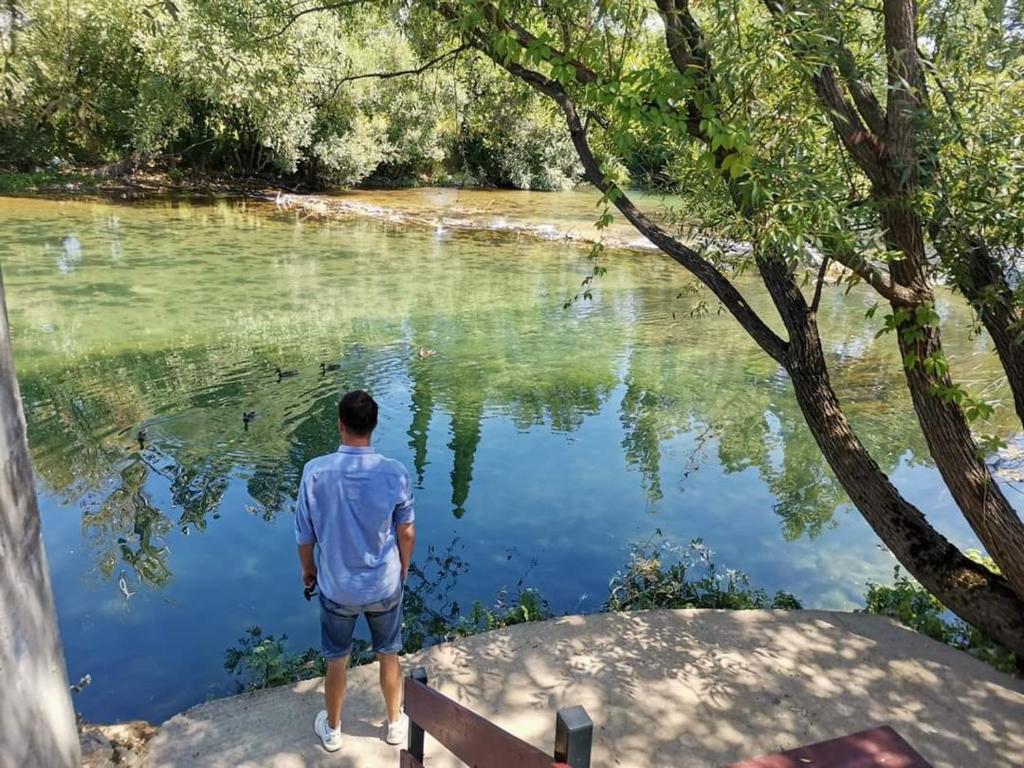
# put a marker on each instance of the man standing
(356, 507)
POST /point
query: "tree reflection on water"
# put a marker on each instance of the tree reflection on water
(82, 424)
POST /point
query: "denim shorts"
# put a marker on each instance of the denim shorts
(338, 623)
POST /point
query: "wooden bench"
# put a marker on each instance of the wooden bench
(480, 743)
(477, 741)
(875, 748)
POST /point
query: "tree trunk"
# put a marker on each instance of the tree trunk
(942, 421)
(965, 587)
(972, 591)
(37, 721)
(983, 282)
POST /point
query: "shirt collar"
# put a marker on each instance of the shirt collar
(355, 449)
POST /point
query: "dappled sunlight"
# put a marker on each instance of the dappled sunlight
(690, 687)
(722, 686)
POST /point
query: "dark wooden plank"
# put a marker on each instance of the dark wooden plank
(408, 761)
(474, 740)
(875, 748)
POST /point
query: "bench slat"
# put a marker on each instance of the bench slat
(875, 748)
(470, 737)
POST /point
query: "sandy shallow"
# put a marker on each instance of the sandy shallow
(664, 688)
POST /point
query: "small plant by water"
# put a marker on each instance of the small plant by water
(261, 661)
(661, 575)
(913, 606)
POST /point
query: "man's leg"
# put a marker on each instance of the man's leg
(386, 632)
(337, 623)
(390, 684)
(334, 690)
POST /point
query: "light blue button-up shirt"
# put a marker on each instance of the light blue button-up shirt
(349, 504)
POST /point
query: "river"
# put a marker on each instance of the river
(543, 439)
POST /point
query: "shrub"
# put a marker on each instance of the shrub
(910, 604)
(263, 661)
(691, 581)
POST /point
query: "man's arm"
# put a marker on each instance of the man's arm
(305, 536)
(405, 523)
(308, 564)
(406, 544)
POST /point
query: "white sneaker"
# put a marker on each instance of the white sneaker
(397, 730)
(331, 738)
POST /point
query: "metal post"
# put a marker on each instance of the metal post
(574, 733)
(415, 731)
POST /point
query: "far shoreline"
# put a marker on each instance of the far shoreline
(140, 184)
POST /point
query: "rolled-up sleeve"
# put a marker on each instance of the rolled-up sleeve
(404, 512)
(304, 533)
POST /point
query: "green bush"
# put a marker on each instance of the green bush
(219, 86)
(15, 183)
(691, 581)
(262, 661)
(913, 606)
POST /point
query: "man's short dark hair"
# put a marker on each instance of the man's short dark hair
(358, 412)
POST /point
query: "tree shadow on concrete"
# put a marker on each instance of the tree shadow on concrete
(664, 688)
(696, 688)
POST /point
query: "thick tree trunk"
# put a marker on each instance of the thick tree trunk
(985, 600)
(942, 421)
(968, 589)
(37, 722)
(983, 282)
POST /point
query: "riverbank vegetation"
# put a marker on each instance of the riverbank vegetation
(208, 87)
(658, 575)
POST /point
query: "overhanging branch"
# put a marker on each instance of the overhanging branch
(691, 260)
(400, 72)
(296, 15)
(871, 274)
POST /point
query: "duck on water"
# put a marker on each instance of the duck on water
(286, 373)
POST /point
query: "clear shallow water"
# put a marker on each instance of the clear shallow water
(543, 440)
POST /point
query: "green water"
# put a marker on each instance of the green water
(543, 439)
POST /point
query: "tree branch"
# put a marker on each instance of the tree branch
(819, 284)
(691, 260)
(312, 9)
(866, 148)
(904, 79)
(401, 72)
(872, 275)
(867, 103)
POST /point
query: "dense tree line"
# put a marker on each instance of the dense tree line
(231, 87)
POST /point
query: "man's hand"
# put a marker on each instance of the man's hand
(309, 577)
(406, 544)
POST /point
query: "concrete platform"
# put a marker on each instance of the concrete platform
(664, 688)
